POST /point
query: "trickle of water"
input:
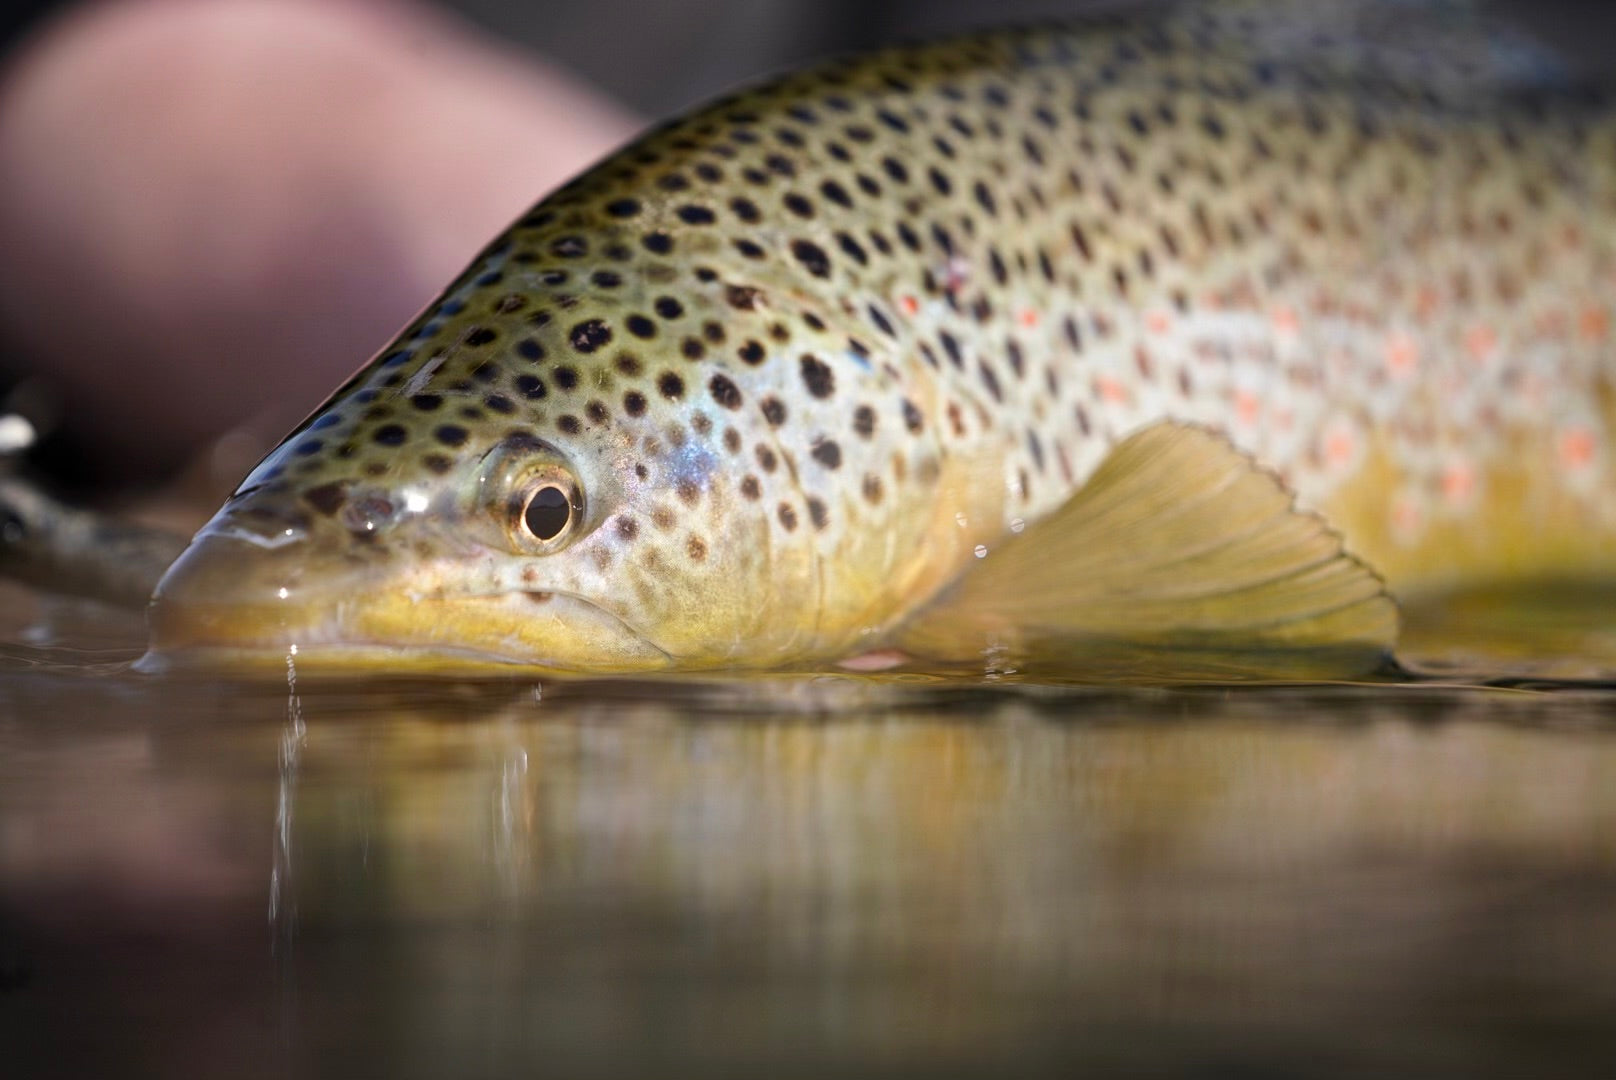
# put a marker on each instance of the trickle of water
(282, 908)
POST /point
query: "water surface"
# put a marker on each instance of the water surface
(793, 877)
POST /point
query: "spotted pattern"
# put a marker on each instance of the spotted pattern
(809, 308)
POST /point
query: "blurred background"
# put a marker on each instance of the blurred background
(212, 211)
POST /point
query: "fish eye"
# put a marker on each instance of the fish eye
(531, 496)
(548, 512)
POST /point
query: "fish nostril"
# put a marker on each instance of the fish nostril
(366, 514)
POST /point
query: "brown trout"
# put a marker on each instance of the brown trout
(1208, 333)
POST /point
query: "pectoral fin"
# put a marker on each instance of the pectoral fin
(1179, 559)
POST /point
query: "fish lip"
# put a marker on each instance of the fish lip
(333, 637)
(197, 613)
(595, 606)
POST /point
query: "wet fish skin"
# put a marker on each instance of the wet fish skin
(797, 361)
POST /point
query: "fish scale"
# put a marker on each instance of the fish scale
(810, 352)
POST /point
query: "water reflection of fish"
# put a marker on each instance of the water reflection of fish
(982, 349)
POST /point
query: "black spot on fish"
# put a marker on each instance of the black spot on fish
(742, 297)
(851, 248)
(817, 376)
(812, 257)
(725, 392)
(864, 421)
(589, 335)
(327, 498)
(911, 417)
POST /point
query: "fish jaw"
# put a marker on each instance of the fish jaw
(228, 601)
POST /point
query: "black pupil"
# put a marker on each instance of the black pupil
(547, 513)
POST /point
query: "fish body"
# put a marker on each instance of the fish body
(771, 382)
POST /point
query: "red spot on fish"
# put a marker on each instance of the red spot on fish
(1285, 321)
(1028, 317)
(909, 305)
(1339, 447)
(1407, 519)
(1157, 322)
(1246, 407)
(1458, 482)
(1402, 355)
(1577, 448)
(1594, 324)
(1109, 389)
(1481, 342)
(880, 660)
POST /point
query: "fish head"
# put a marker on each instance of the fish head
(470, 504)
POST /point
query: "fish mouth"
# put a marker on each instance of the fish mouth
(223, 605)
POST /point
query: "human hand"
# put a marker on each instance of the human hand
(215, 210)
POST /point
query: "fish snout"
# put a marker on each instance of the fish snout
(236, 587)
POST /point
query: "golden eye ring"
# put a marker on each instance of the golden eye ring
(546, 512)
